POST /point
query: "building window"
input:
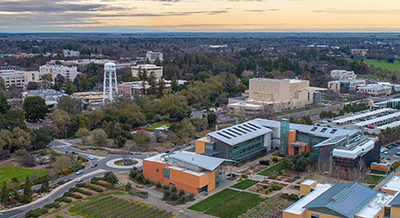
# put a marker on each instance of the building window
(166, 173)
(157, 170)
(314, 215)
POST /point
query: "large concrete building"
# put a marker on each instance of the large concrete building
(343, 74)
(345, 85)
(67, 72)
(184, 170)
(375, 90)
(276, 94)
(20, 78)
(158, 71)
(71, 53)
(153, 56)
(348, 200)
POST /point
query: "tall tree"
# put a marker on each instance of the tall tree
(161, 87)
(27, 191)
(42, 139)
(174, 84)
(68, 88)
(5, 194)
(4, 106)
(70, 105)
(47, 77)
(141, 137)
(153, 84)
(35, 108)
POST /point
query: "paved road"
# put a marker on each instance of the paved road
(61, 146)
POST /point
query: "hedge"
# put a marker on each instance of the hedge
(36, 212)
(84, 192)
(105, 185)
(94, 188)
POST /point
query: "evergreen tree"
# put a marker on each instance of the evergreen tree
(27, 197)
(68, 88)
(16, 196)
(5, 195)
(161, 86)
(105, 128)
(45, 185)
(153, 84)
(174, 84)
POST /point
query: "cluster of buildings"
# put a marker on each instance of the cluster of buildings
(345, 81)
(346, 200)
(151, 57)
(275, 94)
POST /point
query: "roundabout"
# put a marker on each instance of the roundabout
(111, 163)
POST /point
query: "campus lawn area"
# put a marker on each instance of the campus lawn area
(378, 172)
(7, 173)
(383, 64)
(158, 125)
(372, 179)
(245, 184)
(213, 200)
(272, 170)
(235, 206)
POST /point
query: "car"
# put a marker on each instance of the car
(74, 152)
(177, 148)
(323, 121)
(389, 147)
(386, 152)
(370, 127)
(328, 125)
(353, 122)
(79, 172)
(94, 165)
(90, 157)
(330, 120)
(398, 153)
(187, 144)
(166, 152)
(79, 180)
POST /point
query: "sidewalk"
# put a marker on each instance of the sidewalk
(386, 179)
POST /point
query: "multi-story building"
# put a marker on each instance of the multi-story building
(375, 90)
(67, 72)
(158, 71)
(20, 78)
(343, 74)
(153, 56)
(70, 53)
(49, 95)
(184, 170)
(136, 88)
(275, 94)
(348, 200)
(345, 85)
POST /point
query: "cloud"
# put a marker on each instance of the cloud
(47, 6)
(358, 11)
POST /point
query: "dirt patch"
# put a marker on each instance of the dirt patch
(123, 177)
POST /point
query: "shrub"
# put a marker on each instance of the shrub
(245, 176)
(36, 212)
(265, 186)
(110, 177)
(84, 192)
(174, 189)
(181, 193)
(276, 187)
(191, 197)
(102, 184)
(158, 185)
(21, 153)
(267, 191)
(166, 187)
(94, 188)
(95, 179)
(128, 186)
(79, 158)
(293, 197)
(275, 159)
(59, 199)
(28, 161)
(76, 196)
(80, 185)
(264, 162)
(67, 200)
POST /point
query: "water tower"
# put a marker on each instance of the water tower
(110, 82)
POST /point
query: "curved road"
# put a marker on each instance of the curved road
(61, 146)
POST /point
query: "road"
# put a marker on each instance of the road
(61, 146)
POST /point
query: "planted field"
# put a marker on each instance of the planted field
(245, 184)
(7, 173)
(110, 206)
(213, 200)
(272, 170)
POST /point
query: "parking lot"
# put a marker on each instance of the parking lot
(391, 151)
(371, 121)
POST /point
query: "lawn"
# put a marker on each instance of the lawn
(372, 179)
(272, 170)
(213, 200)
(378, 172)
(236, 206)
(7, 173)
(158, 125)
(245, 184)
(383, 64)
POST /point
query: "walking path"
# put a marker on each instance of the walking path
(386, 179)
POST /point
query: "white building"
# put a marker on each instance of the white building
(153, 56)
(343, 74)
(20, 78)
(70, 53)
(67, 72)
(158, 71)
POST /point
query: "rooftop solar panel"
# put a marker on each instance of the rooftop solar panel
(244, 128)
(228, 133)
(250, 127)
(234, 132)
(254, 126)
(223, 135)
(240, 130)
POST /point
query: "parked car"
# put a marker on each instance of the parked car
(370, 127)
(176, 148)
(166, 151)
(386, 152)
(330, 120)
(79, 180)
(187, 144)
(90, 157)
(79, 172)
(74, 152)
(398, 153)
(94, 165)
(323, 121)
(389, 147)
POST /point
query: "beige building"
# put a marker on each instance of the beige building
(350, 85)
(20, 78)
(343, 74)
(277, 94)
(90, 98)
(158, 71)
(67, 72)
(376, 90)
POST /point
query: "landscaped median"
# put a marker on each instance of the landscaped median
(227, 203)
(272, 170)
(243, 185)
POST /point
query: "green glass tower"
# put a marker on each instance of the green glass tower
(284, 136)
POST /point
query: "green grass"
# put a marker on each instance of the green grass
(378, 172)
(245, 184)
(236, 206)
(272, 170)
(158, 125)
(7, 173)
(383, 64)
(372, 179)
(213, 200)
(395, 165)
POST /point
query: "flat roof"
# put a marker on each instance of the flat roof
(393, 184)
(373, 86)
(354, 152)
(245, 104)
(379, 119)
(298, 144)
(308, 182)
(390, 125)
(375, 205)
(359, 116)
(298, 207)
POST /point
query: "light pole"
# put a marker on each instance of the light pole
(66, 130)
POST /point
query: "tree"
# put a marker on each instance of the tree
(153, 84)
(301, 165)
(128, 186)
(106, 128)
(70, 105)
(110, 177)
(45, 185)
(99, 137)
(174, 84)
(83, 133)
(59, 82)
(287, 163)
(5, 194)
(61, 163)
(241, 88)
(62, 119)
(20, 139)
(47, 77)
(141, 137)
(42, 139)
(211, 119)
(95, 117)
(68, 88)
(161, 87)
(120, 141)
(35, 108)
(15, 118)
(27, 197)
(4, 106)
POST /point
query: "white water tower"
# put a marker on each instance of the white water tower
(110, 82)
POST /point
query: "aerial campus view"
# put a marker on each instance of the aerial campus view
(209, 108)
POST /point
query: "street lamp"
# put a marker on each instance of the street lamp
(66, 129)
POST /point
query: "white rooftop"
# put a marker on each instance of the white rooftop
(375, 205)
(393, 184)
(358, 116)
(379, 119)
(390, 125)
(354, 152)
(298, 207)
(245, 104)
(308, 182)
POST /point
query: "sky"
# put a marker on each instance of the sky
(200, 15)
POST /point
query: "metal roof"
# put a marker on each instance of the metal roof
(240, 133)
(379, 119)
(205, 162)
(396, 200)
(390, 125)
(346, 199)
(363, 115)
